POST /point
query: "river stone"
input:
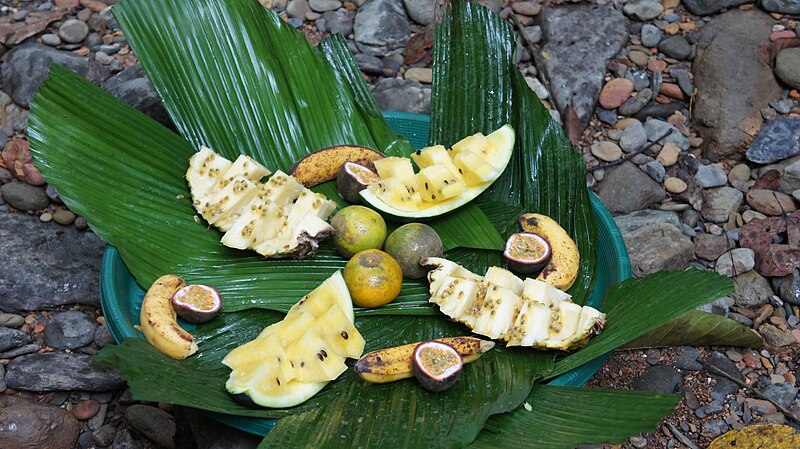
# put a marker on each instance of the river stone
(675, 47)
(626, 188)
(58, 371)
(46, 266)
(69, 330)
(752, 289)
(710, 246)
(770, 203)
(381, 27)
(636, 103)
(132, 86)
(788, 287)
(706, 7)
(579, 41)
(633, 137)
(658, 247)
(27, 66)
(420, 11)
(733, 84)
(124, 440)
(719, 204)
(783, 393)
(708, 176)
(787, 67)
(735, 262)
(643, 10)
(781, 6)
(153, 423)
(777, 140)
(662, 133)
(338, 22)
(24, 197)
(659, 379)
(12, 338)
(651, 35)
(30, 425)
(606, 151)
(73, 31)
(643, 218)
(393, 94)
(724, 364)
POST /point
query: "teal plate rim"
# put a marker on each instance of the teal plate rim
(119, 291)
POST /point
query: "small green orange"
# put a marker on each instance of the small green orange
(373, 278)
(357, 228)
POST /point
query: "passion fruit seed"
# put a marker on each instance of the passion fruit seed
(357, 228)
(353, 178)
(373, 278)
(436, 365)
(197, 303)
(411, 242)
(527, 252)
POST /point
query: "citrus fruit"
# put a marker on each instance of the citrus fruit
(373, 278)
(410, 242)
(357, 228)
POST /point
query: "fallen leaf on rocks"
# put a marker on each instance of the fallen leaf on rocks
(759, 436)
(35, 23)
(774, 259)
(769, 180)
(419, 48)
(572, 125)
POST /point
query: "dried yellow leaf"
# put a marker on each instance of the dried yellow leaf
(759, 436)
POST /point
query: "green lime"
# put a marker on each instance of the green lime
(357, 228)
(409, 243)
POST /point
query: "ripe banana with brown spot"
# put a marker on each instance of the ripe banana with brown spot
(562, 270)
(323, 165)
(392, 364)
(158, 320)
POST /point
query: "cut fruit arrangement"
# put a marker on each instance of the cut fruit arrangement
(279, 218)
(293, 359)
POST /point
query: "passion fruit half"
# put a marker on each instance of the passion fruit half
(197, 303)
(353, 178)
(527, 252)
(436, 365)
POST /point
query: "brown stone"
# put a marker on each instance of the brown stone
(86, 409)
(615, 92)
(710, 247)
(29, 425)
(672, 91)
(769, 202)
(94, 5)
(654, 64)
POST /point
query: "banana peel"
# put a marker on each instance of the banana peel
(158, 320)
(393, 364)
(562, 270)
(323, 165)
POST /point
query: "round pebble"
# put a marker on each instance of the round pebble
(73, 31)
(615, 92)
(86, 409)
(81, 224)
(46, 217)
(606, 151)
(63, 217)
(669, 154)
(674, 185)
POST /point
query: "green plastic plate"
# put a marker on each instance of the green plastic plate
(121, 297)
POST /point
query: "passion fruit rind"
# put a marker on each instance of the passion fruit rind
(527, 252)
(436, 365)
(353, 178)
(197, 303)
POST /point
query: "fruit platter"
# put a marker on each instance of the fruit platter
(294, 262)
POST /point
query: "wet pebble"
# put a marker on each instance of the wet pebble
(86, 409)
(73, 31)
(70, 330)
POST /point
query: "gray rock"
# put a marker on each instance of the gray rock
(46, 266)
(153, 423)
(643, 218)
(643, 10)
(369, 64)
(724, 364)
(686, 85)
(651, 35)
(658, 247)
(606, 116)
(675, 47)
(25, 197)
(636, 103)
(132, 86)
(104, 436)
(657, 110)
(721, 307)
(733, 84)
(712, 407)
(580, 39)
(788, 287)
(23, 350)
(735, 262)
(58, 371)
(752, 289)
(741, 319)
(70, 330)
(534, 33)
(73, 31)
(27, 67)
(640, 79)
(324, 5)
(706, 7)
(708, 176)
(777, 140)
(5, 177)
(688, 359)
(626, 189)
(781, 6)
(124, 440)
(394, 94)
(655, 169)
(31, 425)
(338, 22)
(420, 11)
(659, 379)
(12, 338)
(783, 393)
(51, 39)
(715, 427)
(381, 27)
(102, 336)
(710, 247)
(719, 204)
(662, 132)
(297, 9)
(11, 320)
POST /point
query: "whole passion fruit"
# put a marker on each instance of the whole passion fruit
(527, 252)
(197, 303)
(353, 178)
(373, 278)
(357, 228)
(436, 365)
(411, 242)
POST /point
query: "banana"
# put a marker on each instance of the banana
(562, 270)
(323, 165)
(391, 364)
(158, 319)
